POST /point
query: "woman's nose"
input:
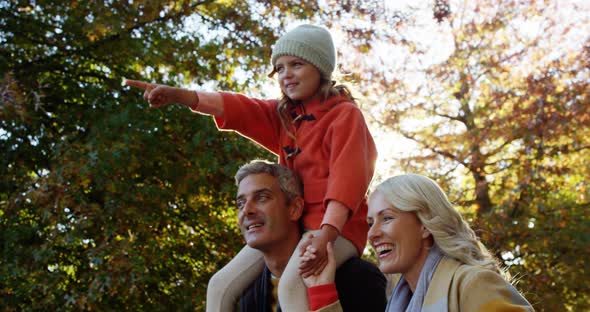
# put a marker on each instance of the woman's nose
(374, 232)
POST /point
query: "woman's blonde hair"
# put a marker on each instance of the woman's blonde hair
(423, 196)
(327, 89)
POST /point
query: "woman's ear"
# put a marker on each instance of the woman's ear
(425, 232)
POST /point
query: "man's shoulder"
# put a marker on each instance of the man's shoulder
(361, 286)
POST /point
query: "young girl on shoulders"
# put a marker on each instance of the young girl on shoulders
(318, 131)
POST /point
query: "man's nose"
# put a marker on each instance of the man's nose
(249, 208)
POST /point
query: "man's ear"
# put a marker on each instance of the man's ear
(296, 208)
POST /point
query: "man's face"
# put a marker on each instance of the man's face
(264, 217)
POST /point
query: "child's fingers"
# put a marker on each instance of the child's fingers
(157, 99)
(152, 96)
(136, 84)
(306, 273)
(305, 260)
(304, 245)
(312, 268)
(308, 256)
(308, 266)
(320, 267)
(305, 264)
(311, 251)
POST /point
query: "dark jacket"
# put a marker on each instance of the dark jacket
(360, 284)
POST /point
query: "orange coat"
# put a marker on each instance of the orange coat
(336, 159)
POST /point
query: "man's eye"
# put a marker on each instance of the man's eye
(279, 69)
(388, 218)
(240, 204)
(370, 224)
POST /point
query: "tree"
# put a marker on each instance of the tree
(106, 205)
(503, 122)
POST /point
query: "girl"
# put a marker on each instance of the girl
(317, 130)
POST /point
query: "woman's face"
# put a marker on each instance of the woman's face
(397, 237)
(299, 80)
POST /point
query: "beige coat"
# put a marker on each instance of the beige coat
(459, 287)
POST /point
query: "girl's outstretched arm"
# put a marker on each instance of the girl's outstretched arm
(158, 95)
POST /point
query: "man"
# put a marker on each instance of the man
(270, 205)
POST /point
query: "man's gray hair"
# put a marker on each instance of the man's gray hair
(289, 182)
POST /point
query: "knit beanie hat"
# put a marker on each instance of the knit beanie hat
(310, 43)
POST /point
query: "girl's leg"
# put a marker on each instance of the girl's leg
(226, 286)
(292, 290)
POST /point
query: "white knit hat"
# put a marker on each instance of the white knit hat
(311, 43)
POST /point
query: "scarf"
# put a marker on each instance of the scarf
(402, 298)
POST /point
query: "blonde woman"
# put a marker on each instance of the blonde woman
(416, 231)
